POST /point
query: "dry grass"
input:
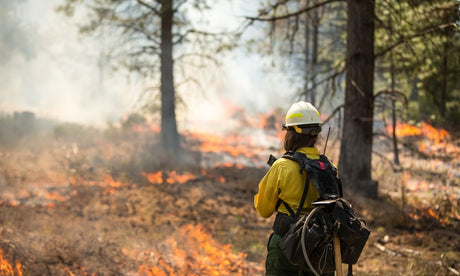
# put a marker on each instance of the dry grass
(75, 202)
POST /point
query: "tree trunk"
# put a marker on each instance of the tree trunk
(356, 146)
(169, 134)
(307, 52)
(311, 59)
(314, 56)
(393, 102)
(393, 114)
(442, 101)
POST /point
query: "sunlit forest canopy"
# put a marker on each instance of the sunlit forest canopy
(416, 45)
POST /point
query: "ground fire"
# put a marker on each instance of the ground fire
(100, 203)
(195, 252)
(430, 139)
(441, 153)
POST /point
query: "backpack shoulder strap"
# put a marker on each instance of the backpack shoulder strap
(301, 159)
(324, 177)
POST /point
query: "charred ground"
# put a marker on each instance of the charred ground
(76, 201)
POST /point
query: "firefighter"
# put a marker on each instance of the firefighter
(282, 186)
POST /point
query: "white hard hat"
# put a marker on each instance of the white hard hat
(302, 113)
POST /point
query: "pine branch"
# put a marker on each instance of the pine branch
(409, 38)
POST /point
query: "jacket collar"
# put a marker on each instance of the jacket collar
(309, 151)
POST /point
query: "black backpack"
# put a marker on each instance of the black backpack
(307, 240)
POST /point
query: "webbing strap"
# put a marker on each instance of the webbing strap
(301, 203)
(291, 212)
(350, 270)
(304, 196)
(306, 164)
(298, 157)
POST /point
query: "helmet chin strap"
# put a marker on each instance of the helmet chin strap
(312, 131)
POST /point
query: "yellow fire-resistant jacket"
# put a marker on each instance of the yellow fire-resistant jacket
(284, 181)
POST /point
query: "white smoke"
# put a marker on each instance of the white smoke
(46, 67)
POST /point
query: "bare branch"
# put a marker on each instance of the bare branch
(306, 9)
(181, 37)
(176, 9)
(150, 7)
(136, 29)
(392, 93)
(292, 36)
(203, 56)
(337, 109)
(330, 77)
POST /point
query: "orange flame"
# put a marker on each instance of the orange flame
(218, 178)
(146, 127)
(55, 196)
(174, 177)
(233, 145)
(18, 268)
(6, 269)
(13, 203)
(170, 177)
(431, 213)
(197, 253)
(69, 271)
(426, 130)
(154, 128)
(154, 178)
(436, 135)
(414, 216)
(434, 138)
(229, 165)
(108, 181)
(268, 121)
(405, 130)
(110, 185)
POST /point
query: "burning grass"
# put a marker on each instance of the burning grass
(428, 139)
(144, 230)
(170, 177)
(6, 269)
(103, 203)
(427, 189)
(96, 199)
(195, 252)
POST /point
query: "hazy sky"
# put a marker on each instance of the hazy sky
(47, 68)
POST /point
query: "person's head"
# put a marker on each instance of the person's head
(302, 125)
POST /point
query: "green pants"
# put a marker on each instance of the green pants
(276, 263)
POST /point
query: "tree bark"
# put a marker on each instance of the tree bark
(311, 59)
(393, 114)
(307, 52)
(169, 134)
(442, 101)
(393, 102)
(314, 56)
(356, 146)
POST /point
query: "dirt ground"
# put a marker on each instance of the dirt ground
(83, 205)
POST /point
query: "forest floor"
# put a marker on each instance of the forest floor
(79, 201)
